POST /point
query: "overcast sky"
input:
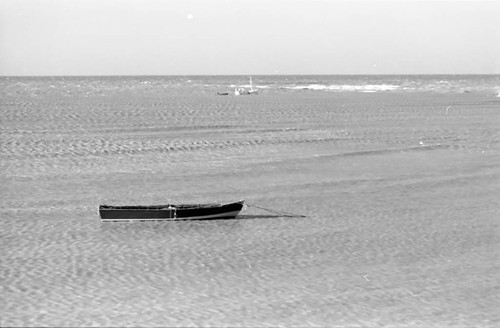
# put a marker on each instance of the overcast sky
(182, 37)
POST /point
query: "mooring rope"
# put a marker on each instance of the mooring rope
(281, 213)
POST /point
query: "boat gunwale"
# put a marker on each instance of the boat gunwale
(167, 207)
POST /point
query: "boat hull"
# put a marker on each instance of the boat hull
(170, 212)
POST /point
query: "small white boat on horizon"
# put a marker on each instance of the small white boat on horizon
(243, 91)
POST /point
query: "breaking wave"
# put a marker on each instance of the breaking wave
(347, 87)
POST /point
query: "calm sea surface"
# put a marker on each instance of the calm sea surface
(398, 177)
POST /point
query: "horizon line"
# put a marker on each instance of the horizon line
(283, 74)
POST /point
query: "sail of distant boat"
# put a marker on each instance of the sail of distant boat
(252, 90)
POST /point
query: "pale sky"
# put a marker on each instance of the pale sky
(251, 37)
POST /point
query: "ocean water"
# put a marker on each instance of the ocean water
(270, 84)
(398, 178)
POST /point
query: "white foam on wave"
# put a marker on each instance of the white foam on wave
(347, 87)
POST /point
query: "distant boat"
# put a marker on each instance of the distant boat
(170, 212)
(243, 91)
(222, 93)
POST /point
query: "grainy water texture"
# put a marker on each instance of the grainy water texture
(398, 176)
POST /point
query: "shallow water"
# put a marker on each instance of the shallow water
(400, 193)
